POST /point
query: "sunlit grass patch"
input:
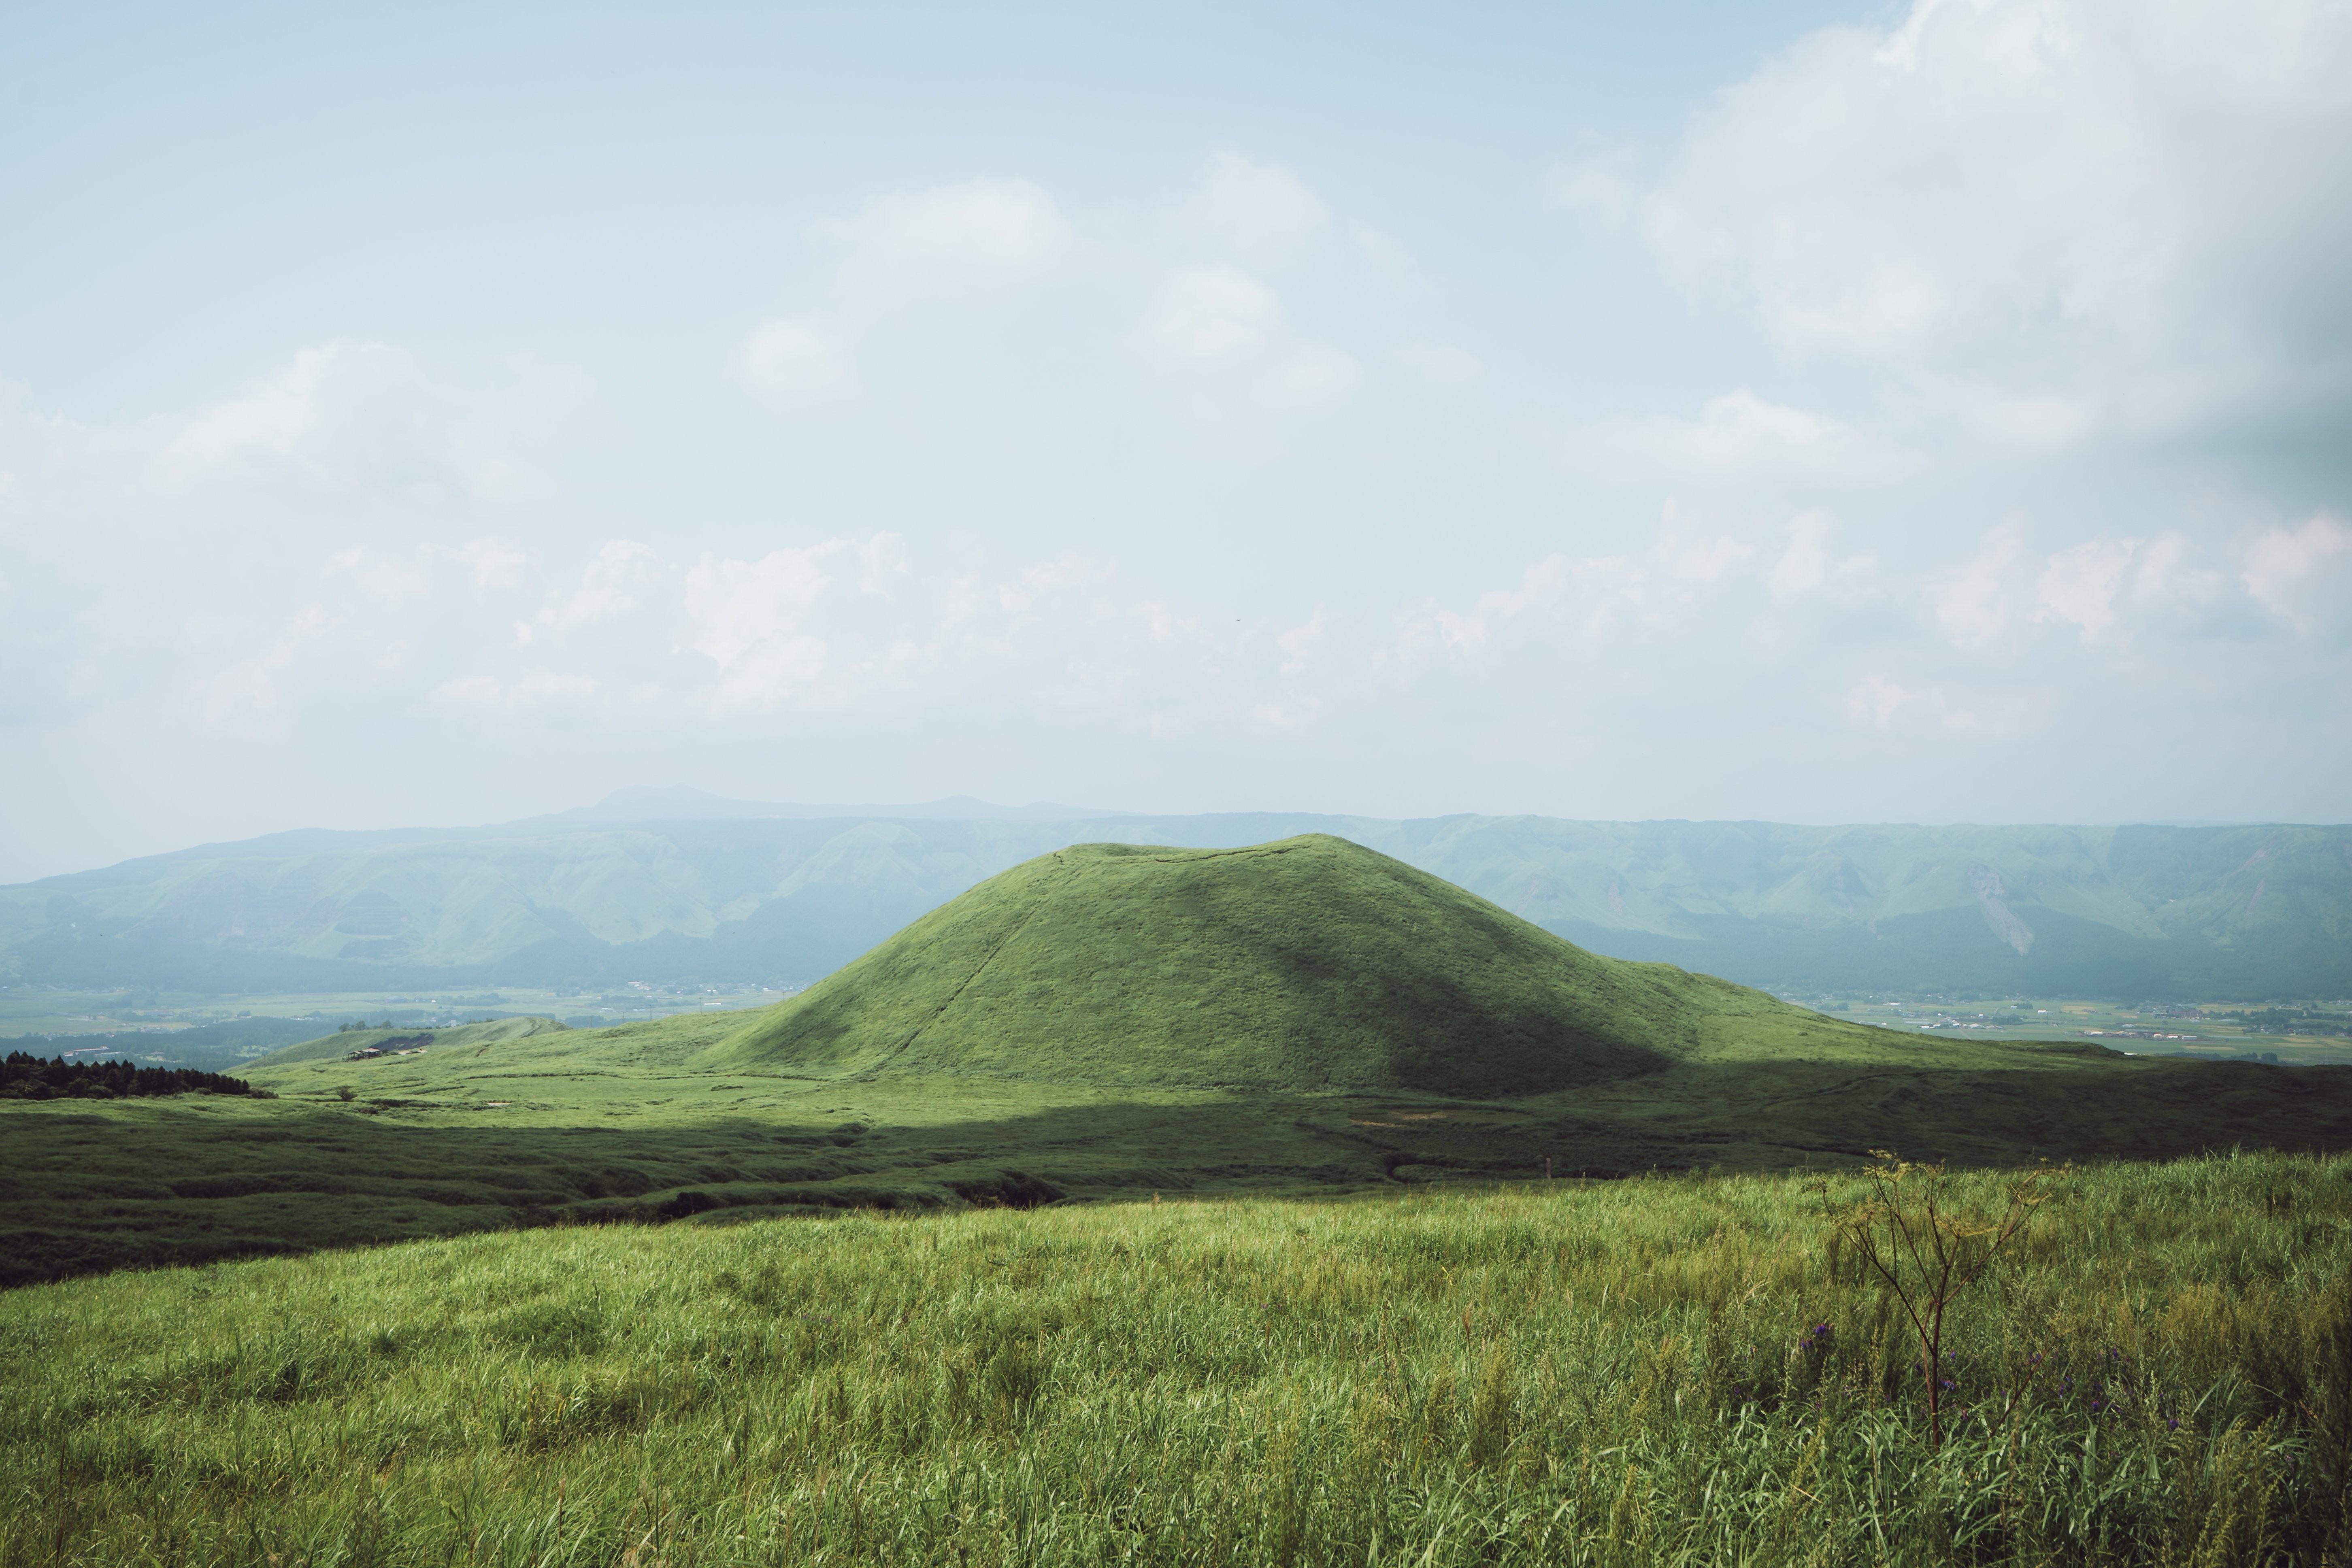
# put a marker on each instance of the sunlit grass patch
(1668, 1370)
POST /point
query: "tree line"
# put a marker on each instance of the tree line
(24, 1076)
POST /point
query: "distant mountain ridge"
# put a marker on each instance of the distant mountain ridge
(682, 803)
(739, 890)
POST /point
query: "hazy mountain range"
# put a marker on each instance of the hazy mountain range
(674, 884)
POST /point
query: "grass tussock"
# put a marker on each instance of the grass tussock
(2159, 1370)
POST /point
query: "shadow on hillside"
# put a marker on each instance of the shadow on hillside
(2110, 1109)
(140, 1186)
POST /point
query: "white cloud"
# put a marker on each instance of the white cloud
(2114, 592)
(766, 625)
(1596, 595)
(1298, 644)
(2303, 574)
(1808, 565)
(1737, 437)
(1442, 364)
(961, 246)
(495, 563)
(1600, 189)
(2171, 589)
(1956, 710)
(1978, 600)
(1072, 569)
(533, 688)
(2083, 583)
(1214, 330)
(394, 576)
(346, 417)
(2053, 217)
(958, 244)
(610, 586)
(389, 577)
(1296, 713)
(1261, 214)
(1385, 255)
(806, 362)
(1874, 701)
(1165, 623)
(253, 682)
(1224, 334)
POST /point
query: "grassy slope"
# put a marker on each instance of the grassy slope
(1624, 1373)
(1307, 965)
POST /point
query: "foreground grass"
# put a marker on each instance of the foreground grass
(1627, 1373)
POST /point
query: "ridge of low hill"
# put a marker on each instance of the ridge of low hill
(345, 1044)
(1307, 965)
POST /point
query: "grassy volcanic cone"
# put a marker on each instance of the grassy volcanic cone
(1305, 965)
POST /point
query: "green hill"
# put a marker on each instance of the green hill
(1308, 965)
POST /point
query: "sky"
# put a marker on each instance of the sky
(1814, 412)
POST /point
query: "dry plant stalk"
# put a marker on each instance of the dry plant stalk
(1928, 1256)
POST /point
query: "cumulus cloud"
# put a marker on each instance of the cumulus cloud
(389, 576)
(1988, 644)
(1021, 594)
(2053, 217)
(1213, 329)
(2111, 591)
(1737, 437)
(346, 417)
(764, 624)
(1222, 335)
(1599, 188)
(805, 361)
(395, 575)
(1260, 214)
(1595, 595)
(2303, 574)
(532, 689)
(1977, 601)
(2082, 585)
(610, 586)
(1874, 701)
(1443, 363)
(1810, 565)
(493, 562)
(253, 682)
(953, 243)
(960, 246)
(1298, 644)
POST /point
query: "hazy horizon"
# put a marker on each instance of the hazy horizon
(968, 808)
(1810, 413)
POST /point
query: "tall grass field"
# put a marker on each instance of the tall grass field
(1685, 1370)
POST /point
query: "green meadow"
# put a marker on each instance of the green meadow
(1675, 1369)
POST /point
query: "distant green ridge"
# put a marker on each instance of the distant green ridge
(1306, 966)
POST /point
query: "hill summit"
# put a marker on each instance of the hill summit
(1306, 966)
